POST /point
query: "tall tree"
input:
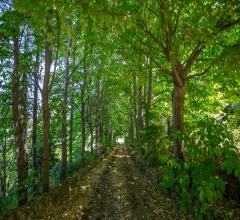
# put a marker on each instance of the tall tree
(83, 103)
(46, 111)
(18, 120)
(149, 93)
(64, 113)
(71, 127)
(34, 123)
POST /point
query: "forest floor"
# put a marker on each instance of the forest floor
(113, 189)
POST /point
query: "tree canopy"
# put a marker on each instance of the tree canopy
(77, 75)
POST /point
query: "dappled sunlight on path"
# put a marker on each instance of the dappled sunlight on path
(114, 189)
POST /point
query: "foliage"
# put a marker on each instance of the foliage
(197, 182)
(115, 70)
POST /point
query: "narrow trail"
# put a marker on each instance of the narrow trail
(114, 189)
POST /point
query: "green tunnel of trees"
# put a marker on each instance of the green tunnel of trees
(76, 75)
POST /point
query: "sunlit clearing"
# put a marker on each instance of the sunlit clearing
(120, 140)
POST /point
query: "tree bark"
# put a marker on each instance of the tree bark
(111, 134)
(135, 109)
(92, 136)
(71, 128)
(46, 114)
(131, 122)
(64, 116)
(83, 121)
(97, 125)
(178, 109)
(149, 96)
(24, 98)
(101, 115)
(140, 109)
(4, 166)
(34, 125)
(18, 121)
(71, 131)
(178, 120)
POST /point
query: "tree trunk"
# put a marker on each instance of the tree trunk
(46, 114)
(131, 122)
(64, 116)
(92, 136)
(169, 127)
(18, 121)
(83, 121)
(97, 138)
(4, 166)
(97, 126)
(34, 126)
(144, 104)
(71, 128)
(101, 127)
(110, 134)
(140, 112)
(135, 109)
(24, 98)
(149, 96)
(178, 119)
(101, 114)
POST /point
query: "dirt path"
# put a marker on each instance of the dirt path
(112, 190)
(123, 193)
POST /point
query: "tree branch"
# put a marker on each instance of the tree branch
(57, 51)
(77, 66)
(223, 27)
(177, 21)
(100, 10)
(200, 74)
(161, 68)
(196, 51)
(151, 35)
(176, 75)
